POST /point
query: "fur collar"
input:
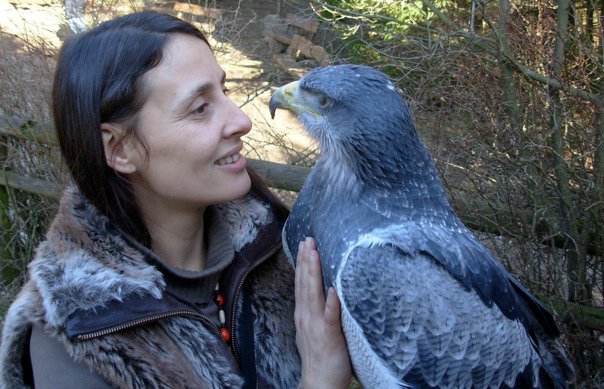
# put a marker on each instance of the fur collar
(86, 261)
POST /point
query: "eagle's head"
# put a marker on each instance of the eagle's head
(358, 116)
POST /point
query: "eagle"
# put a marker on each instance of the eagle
(423, 302)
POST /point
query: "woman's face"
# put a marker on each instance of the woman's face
(192, 131)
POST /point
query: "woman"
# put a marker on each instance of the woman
(163, 267)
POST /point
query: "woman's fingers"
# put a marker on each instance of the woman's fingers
(309, 298)
(319, 337)
(332, 308)
(299, 269)
(314, 291)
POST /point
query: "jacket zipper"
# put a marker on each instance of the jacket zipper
(145, 320)
(263, 258)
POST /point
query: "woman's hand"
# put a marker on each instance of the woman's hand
(325, 360)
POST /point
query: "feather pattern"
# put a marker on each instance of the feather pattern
(428, 328)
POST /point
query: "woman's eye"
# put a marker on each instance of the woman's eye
(323, 102)
(201, 109)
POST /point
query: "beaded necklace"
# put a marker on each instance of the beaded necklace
(219, 300)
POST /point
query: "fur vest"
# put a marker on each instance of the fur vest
(91, 288)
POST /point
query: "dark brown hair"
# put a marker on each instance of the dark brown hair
(99, 80)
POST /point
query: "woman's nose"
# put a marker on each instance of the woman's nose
(237, 122)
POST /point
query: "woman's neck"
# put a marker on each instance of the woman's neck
(177, 235)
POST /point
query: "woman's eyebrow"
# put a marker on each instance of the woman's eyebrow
(200, 90)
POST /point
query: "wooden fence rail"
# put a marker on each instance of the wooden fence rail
(478, 216)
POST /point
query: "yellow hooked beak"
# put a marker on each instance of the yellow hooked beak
(290, 97)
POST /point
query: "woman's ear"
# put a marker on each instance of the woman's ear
(121, 154)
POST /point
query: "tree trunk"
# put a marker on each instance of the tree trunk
(7, 273)
(598, 168)
(589, 22)
(510, 98)
(575, 254)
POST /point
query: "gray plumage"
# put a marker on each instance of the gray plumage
(424, 303)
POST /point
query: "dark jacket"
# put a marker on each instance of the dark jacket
(93, 289)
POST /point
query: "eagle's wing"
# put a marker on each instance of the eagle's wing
(414, 323)
(297, 226)
(453, 247)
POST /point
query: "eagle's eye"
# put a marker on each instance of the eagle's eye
(323, 102)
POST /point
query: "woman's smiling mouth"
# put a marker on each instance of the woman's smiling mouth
(228, 160)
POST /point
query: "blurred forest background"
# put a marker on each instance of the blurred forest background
(508, 95)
